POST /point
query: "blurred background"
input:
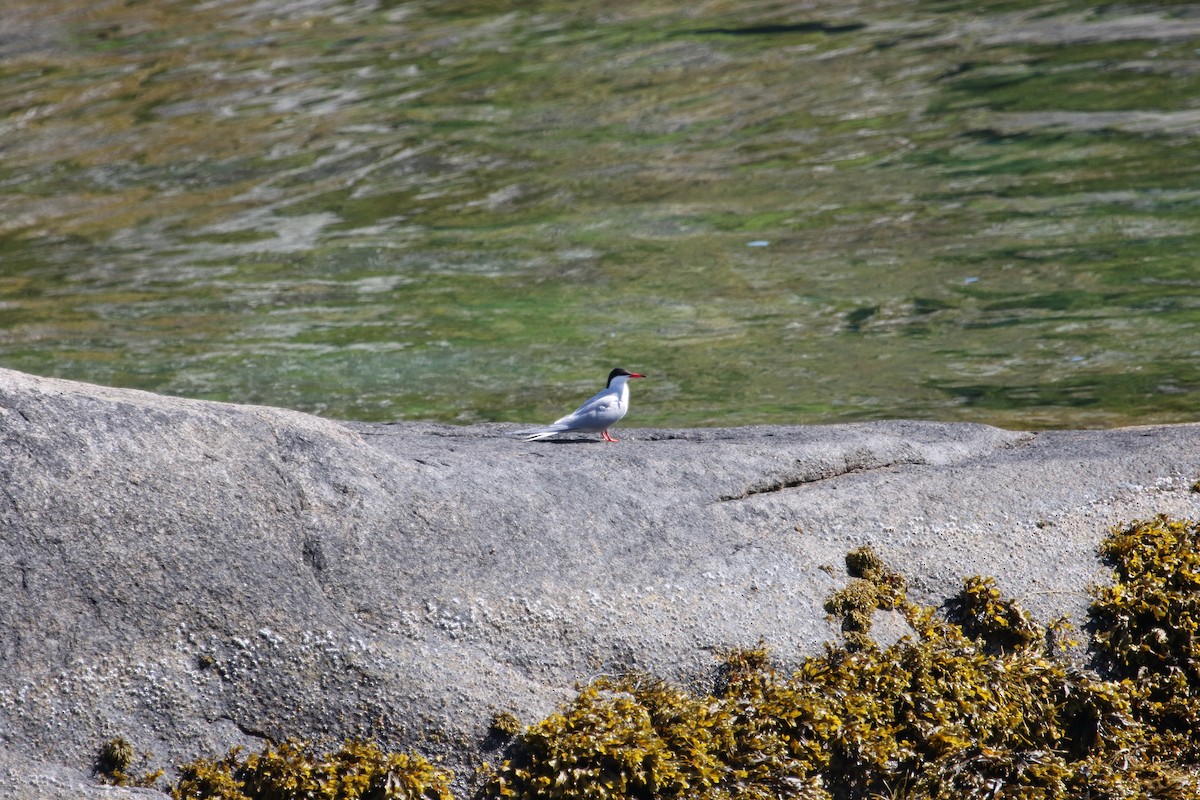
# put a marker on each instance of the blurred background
(471, 211)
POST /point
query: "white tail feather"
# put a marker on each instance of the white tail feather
(534, 434)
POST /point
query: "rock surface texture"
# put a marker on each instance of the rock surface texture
(193, 575)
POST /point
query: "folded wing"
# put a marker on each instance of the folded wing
(596, 414)
(599, 413)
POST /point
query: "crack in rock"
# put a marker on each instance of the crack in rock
(819, 467)
(815, 474)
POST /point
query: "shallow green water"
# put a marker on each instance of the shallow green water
(472, 211)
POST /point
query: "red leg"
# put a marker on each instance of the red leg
(608, 437)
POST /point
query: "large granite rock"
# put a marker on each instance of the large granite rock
(193, 575)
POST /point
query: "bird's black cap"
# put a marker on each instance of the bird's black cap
(619, 372)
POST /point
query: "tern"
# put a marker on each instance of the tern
(597, 415)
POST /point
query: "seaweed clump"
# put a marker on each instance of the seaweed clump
(505, 724)
(113, 765)
(872, 587)
(984, 613)
(293, 770)
(973, 704)
(639, 737)
(1147, 629)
